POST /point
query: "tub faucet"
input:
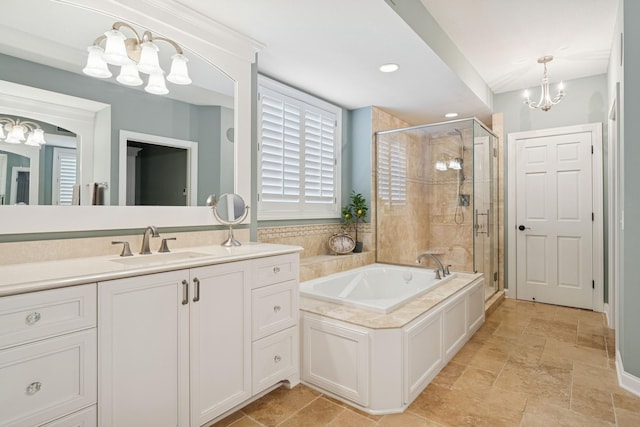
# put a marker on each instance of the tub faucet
(150, 231)
(440, 268)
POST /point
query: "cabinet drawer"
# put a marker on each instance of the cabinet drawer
(274, 308)
(86, 418)
(37, 315)
(274, 358)
(45, 380)
(275, 269)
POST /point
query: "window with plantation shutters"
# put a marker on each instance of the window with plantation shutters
(64, 175)
(392, 172)
(299, 140)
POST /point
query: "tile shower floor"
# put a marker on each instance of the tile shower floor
(530, 364)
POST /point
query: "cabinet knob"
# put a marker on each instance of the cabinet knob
(33, 318)
(277, 359)
(276, 308)
(33, 388)
(276, 269)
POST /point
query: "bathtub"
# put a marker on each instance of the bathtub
(381, 288)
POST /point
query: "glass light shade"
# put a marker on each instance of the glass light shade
(115, 51)
(37, 136)
(441, 165)
(455, 164)
(2, 135)
(16, 135)
(96, 66)
(156, 84)
(179, 73)
(129, 75)
(31, 140)
(148, 63)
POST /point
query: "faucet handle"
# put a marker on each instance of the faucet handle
(126, 250)
(437, 271)
(163, 246)
(446, 270)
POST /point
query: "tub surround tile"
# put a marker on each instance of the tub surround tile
(397, 318)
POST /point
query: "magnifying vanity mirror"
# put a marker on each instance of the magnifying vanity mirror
(130, 144)
(230, 210)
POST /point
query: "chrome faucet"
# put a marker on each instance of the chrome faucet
(440, 268)
(150, 231)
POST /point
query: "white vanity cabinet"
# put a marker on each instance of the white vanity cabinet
(182, 348)
(48, 357)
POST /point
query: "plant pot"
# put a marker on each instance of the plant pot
(358, 248)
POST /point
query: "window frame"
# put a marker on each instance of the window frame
(283, 210)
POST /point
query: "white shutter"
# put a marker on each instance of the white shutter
(279, 147)
(64, 175)
(319, 156)
(392, 172)
(298, 162)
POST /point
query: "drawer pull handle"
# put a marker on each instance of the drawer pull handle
(33, 318)
(277, 359)
(276, 308)
(276, 269)
(33, 388)
(185, 292)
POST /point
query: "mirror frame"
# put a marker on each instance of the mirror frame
(231, 52)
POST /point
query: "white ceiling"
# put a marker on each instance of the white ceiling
(333, 48)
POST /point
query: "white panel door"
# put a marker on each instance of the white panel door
(554, 219)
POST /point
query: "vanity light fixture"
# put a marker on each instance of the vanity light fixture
(21, 131)
(545, 102)
(135, 55)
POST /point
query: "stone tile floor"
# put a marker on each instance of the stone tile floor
(530, 364)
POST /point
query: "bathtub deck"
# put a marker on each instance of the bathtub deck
(395, 319)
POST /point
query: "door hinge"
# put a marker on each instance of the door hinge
(592, 149)
(495, 276)
(593, 284)
(593, 216)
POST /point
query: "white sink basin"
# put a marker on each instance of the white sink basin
(158, 259)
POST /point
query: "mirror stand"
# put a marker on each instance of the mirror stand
(221, 208)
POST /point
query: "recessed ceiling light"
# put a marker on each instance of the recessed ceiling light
(451, 115)
(389, 68)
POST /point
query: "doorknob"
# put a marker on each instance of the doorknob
(522, 228)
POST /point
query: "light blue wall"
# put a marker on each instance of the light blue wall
(361, 146)
(630, 127)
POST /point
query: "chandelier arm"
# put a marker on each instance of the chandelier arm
(164, 39)
(120, 24)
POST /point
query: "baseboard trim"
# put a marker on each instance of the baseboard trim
(607, 312)
(627, 381)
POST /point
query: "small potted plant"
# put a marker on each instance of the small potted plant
(357, 210)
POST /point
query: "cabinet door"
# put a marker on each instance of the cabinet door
(220, 340)
(144, 345)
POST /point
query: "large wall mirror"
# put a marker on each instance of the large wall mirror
(117, 156)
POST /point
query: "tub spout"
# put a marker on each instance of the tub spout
(440, 269)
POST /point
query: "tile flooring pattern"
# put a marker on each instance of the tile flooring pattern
(530, 364)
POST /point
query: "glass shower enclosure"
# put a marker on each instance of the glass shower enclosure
(437, 191)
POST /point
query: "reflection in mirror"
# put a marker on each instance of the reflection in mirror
(230, 210)
(201, 112)
(54, 181)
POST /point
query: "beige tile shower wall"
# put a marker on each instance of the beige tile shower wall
(396, 225)
(53, 250)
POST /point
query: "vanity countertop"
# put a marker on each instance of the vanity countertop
(37, 276)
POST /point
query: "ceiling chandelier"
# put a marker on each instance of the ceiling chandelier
(135, 55)
(21, 131)
(545, 102)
